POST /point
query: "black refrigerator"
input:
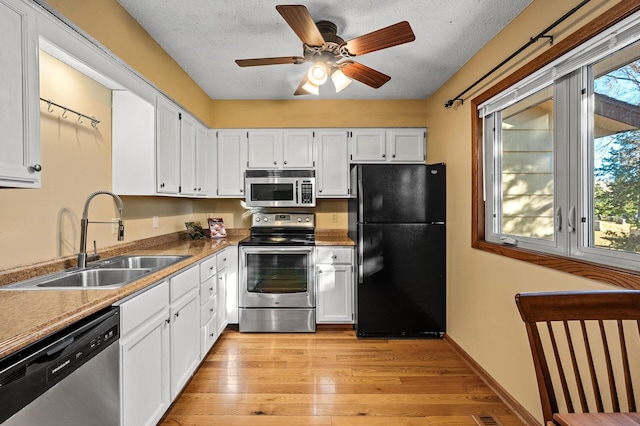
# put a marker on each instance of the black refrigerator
(397, 220)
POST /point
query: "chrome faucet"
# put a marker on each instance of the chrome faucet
(84, 225)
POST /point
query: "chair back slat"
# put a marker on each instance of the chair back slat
(576, 369)
(582, 344)
(592, 370)
(610, 377)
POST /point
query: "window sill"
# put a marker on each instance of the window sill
(606, 274)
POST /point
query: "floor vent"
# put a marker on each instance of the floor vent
(486, 421)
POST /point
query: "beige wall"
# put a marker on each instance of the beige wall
(482, 315)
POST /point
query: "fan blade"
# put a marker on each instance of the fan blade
(390, 36)
(300, 21)
(365, 75)
(270, 61)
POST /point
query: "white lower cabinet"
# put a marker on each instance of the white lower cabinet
(159, 347)
(144, 357)
(334, 285)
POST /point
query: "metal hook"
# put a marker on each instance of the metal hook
(79, 119)
(64, 114)
(94, 122)
(49, 107)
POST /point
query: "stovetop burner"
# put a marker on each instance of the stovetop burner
(290, 229)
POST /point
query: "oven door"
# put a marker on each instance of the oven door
(277, 277)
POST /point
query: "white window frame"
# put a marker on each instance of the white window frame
(573, 165)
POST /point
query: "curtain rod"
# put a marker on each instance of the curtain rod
(94, 121)
(532, 40)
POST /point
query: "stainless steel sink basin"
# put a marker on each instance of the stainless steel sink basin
(108, 274)
(137, 262)
(104, 278)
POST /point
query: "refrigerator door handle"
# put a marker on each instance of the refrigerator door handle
(360, 199)
(360, 254)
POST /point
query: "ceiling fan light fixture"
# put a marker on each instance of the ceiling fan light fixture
(309, 87)
(340, 81)
(317, 74)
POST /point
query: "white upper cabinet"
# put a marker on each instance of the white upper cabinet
(401, 145)
(201, 163)
(332, 172)
(133, 159)
(232, 159)
(368, 145)
(278, 149)
(297, 149)
(187, 157)
(407, 145)
(167, 147)
(19, 112)
(265, 149)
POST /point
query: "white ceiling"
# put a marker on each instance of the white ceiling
(205, 37)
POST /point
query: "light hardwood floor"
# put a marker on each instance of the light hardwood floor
(331, 378)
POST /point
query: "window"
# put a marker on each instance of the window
(561, 158)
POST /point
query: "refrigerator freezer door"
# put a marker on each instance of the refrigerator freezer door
(402, 193)
(403, 288)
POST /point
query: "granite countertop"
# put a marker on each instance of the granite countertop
(27, 315)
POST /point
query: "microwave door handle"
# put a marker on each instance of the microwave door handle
(297, 192)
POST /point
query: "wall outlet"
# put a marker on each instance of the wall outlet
(114, 226)
(334, 217)
(155, 221)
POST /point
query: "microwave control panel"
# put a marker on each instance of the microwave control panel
(306, 193)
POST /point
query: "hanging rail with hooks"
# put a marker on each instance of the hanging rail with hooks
(94, 121)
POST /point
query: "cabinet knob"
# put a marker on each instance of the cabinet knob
(211, 268)
(211, 310)
(275, 162)
(285, 162)
(393, 156)
(334, 256)
(210, 288)
(195, 189)
(224, 259)
(319, 190)
(241, 190)
(35, 168)
(177, 314)
(319, 271)
(211, 334)
(384, 155)
(168, 320)
(162, 185)
(199, 189)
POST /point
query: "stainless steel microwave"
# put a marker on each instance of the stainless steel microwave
(280, 188)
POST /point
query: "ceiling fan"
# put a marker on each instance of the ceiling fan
(326, 50)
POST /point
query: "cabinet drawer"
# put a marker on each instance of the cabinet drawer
(223, 258)
(208, 289)
(135, 311)
(208, 311)
(182, 283)
(334, 255)
(207, 268)
(209, 335)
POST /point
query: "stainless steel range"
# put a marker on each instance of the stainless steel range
(277, 274)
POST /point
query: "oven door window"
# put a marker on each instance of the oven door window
(271, 191)
(277, 273)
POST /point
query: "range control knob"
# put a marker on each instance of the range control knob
(257, 219)
(266, 219)
(308, 219)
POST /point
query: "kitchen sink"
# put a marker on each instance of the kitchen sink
(140, 262)
(90, 278)
(111, 273)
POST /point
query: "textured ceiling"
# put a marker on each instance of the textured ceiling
(205, 37)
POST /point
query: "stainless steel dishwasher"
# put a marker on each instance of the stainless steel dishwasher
(68, 378)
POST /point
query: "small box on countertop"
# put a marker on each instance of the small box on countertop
(216, 227)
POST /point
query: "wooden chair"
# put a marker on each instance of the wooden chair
(582, 344)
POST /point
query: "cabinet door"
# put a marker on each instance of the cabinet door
(221, 278)
(334, 302)
(187, 154)
(185, 340)
(368, 145)
(133, 144)
(407, 145)
(265, 149)
(19, 119)
(297, 149)
(232, 156)
(231, 285)
(202, 160)
(332, 175)
(144, 373)
(167, 147)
